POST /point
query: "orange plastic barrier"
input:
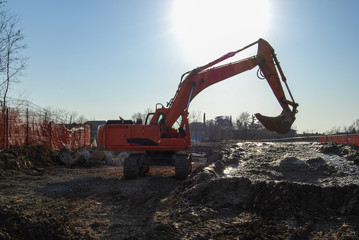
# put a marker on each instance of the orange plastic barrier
(17, 128)
(344, 139)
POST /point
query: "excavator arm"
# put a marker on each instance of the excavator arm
(202, 77)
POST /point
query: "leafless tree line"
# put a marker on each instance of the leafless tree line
(63, 116)
(352, 128)
(243, 127)
(24, 108)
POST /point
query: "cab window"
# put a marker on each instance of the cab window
(160, 117)
(177, 124)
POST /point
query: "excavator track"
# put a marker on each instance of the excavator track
(131, 166)
(135, 165)
(183, 165)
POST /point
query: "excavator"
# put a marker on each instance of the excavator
(165, 134)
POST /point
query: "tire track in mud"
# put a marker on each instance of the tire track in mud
(81, 203)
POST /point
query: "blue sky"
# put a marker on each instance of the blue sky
(110, 58)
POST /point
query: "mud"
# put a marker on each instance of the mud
(237, 191)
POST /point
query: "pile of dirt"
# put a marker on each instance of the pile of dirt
(91, 156)
(27, 157)
(350, 152)
(224, 208)
(14, 224)
(75, 157)
(19, 158)
(268, 191)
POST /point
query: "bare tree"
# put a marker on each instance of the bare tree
(81, 119)
(354, 127)
(195, 116)
(243, 120)
(12, 62)
(73, 116)
(136, 116)
(62, 116)
(333, 130)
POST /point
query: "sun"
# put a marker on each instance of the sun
(207, 29)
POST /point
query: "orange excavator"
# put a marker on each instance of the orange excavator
(165, 135)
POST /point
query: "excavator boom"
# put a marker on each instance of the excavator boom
(207, 75)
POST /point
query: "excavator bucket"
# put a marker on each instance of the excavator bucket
(280, 124)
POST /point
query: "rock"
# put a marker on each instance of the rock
(98, 155)
(356, 160)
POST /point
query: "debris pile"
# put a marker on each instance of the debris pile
(28, 157)
(52, 224)
(88, 156)
(266, 191)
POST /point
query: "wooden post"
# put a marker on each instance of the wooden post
(27, 127)
(7, 128)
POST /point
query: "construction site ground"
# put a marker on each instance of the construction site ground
(238, 190)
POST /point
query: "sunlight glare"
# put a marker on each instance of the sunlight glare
(208, 29)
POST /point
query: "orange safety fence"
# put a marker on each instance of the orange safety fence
(344, 139)
(22, 127)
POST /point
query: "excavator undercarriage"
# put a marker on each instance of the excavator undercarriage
(138, 163)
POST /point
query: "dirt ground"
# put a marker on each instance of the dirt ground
(238, 190)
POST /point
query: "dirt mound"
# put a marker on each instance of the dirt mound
(350, 152)
(28, 157)
(268, 191)
(74, 157)
(15, 224)
(223, 208)
(90, 156)
(275, 199)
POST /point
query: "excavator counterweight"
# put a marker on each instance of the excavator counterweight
(166, 135)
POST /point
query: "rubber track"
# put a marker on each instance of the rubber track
(182, 166)
(130, 167)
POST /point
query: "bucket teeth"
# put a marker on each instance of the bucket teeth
(280, 124)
